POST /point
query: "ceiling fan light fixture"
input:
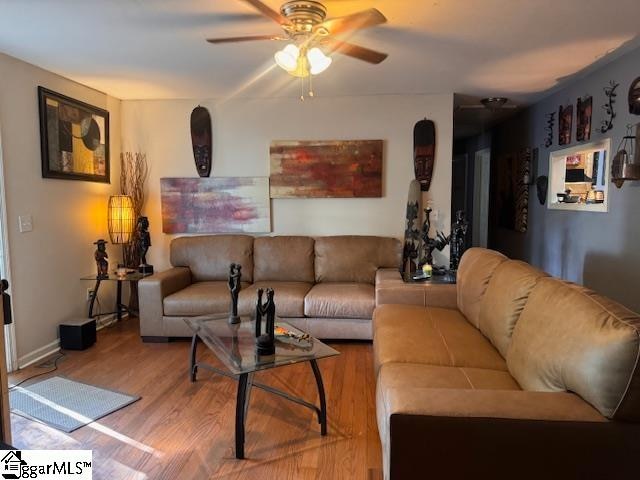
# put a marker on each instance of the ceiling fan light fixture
(318, 61)
(494, 103)
(287, 58)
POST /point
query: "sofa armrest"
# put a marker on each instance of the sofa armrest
(390, 288)
(388, 277)
(501, 434)
(151, 293)
(513, 404)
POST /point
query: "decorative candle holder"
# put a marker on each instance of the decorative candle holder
(427, 270)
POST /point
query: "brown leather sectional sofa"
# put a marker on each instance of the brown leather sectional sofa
(324, 285)
(525, 377)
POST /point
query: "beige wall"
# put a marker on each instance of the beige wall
(47, 263)
(244, 128)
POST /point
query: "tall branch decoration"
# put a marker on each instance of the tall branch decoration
(133, 175)
(551, 121)
(611, 94)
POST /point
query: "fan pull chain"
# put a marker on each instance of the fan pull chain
(310, 85)
(302, 89)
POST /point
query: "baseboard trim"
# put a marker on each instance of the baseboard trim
(39, 354)
(54, 347)
(107, 320)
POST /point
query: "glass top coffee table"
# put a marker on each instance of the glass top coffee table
(235, 347)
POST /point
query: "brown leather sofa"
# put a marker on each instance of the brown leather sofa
(526, 377)
(324, 285)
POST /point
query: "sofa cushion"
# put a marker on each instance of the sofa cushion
(288, 297)
(432, 336)
(340, 300)
(504, 300)
(417, 375)
(354, 258)
(287, 259)
(336, 329)
(474, 272)
(201, 298)
(208, 256)
(569, 338)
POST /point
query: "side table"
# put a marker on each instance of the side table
(438, 291)
(120, 307)
(449, 277)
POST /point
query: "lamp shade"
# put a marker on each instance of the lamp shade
(287, 58)
(121, 219)
(318, 60)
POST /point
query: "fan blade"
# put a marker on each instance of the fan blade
(355, 51)
(356, 21)
(245, 39)
(471, 107)
(267, 11)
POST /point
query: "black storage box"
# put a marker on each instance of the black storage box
(78, 335)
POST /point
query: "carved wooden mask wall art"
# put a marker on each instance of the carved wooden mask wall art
(634, 97)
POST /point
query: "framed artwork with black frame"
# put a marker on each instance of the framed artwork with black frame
(74, 138)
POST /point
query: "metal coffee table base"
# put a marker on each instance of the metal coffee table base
(245, 383)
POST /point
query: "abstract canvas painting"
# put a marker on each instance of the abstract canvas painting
(74, 138)
(327, 169)
(215, 205)
(565, 120)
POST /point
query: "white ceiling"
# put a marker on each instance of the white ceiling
(134, 49)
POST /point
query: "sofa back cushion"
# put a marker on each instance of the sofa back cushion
(474, 272)
(287, 259)
(354, 258)
(208, 256)
(504, 300)
(569, 338)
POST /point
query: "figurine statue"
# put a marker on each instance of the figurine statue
(144, 242)
(265, 342)
(430, 244)
(412, 239)
(101, 258)
(235, 276)
(458, 239)
(259, 313)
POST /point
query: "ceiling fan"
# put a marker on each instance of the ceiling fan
(305, 26)
(493, 104)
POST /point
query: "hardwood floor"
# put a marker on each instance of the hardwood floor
(184, 430)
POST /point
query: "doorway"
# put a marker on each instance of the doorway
(8, 354)
(9, 338)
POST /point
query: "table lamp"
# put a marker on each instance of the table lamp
(121, 219)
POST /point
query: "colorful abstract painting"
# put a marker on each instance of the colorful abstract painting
(215, 205)
(74, 138)
(565, 121)
(327, 169)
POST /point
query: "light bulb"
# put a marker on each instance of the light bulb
(318, 61)
(287, 58)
